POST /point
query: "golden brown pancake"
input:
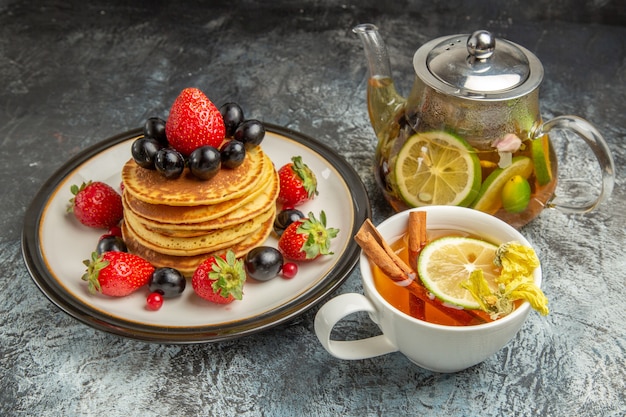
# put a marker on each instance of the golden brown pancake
(188, 264)
(264, 200)
(131, 234)
(205, 217)
(195, 245)
(151, 187)
(162, 213)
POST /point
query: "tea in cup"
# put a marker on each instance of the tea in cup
(434, 346)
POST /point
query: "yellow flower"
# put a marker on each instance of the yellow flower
(495, 303)
(477, 285)
(525, 289)
(516, 260)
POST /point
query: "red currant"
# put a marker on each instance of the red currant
(154, 301)
(115, 231)
(290, 270)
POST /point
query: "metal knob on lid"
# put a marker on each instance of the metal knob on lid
(481, 44)
(477, 66)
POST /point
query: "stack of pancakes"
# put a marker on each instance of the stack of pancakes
(178, 223)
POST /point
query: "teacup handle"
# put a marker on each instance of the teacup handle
(336, 309)
(600, 148)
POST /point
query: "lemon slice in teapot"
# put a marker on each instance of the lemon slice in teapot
(489, 198)
(437, 168)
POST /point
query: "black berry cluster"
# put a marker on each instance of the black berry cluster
(152, 151)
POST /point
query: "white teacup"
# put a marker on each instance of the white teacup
(431, 346)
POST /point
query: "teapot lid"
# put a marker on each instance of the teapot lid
(476, 67)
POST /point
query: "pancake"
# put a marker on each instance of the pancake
(187, 216)
(151, 187)
(263, 201)
(195, 245)
(188, 264)
(132, 234)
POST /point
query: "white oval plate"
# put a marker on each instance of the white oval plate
(54, 244)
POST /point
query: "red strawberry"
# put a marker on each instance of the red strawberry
(297, 183)
(96, 204)
(220, 279)
(307, 239)
(194, 121)
(116, 274)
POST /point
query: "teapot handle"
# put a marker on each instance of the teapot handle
(600, 148)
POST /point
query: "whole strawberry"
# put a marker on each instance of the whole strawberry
(307, 239)
(297, 183)
(220, 279)
(96, 204)
(194, 121)
(116, 274)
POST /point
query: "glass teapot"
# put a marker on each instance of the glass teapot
(470, 133)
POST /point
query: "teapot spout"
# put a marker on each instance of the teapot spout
(383, 101)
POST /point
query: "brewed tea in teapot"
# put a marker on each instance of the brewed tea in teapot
(470, 133)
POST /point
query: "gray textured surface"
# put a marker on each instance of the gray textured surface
(74, 73)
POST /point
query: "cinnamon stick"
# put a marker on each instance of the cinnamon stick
(417, 235)
(417, 307)
(378, 256)
(379, 252)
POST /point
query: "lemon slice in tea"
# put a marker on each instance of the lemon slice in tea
(489, 197)
(445, 263)
(437, 168)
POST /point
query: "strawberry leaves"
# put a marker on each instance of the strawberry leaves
(307, 239)
(94, 266)
(228, 276)
(220, 279)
